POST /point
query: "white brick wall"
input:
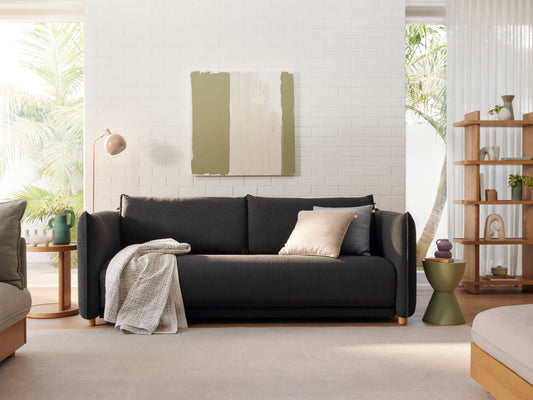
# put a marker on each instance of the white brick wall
(347, 57)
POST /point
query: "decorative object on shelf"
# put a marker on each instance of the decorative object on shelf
(501, 278)
(491, 194)
(516, 182)
(499, 270)
(491, 152)
(482, 186)
(516, 192)
(444, 246)
(526, 193)
(502, 112)
(113, 144)
(500, 228)
(61, 227)
(508, 104)
(35, 237)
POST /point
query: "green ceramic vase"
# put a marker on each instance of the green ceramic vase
(516, 192)
(61, 227)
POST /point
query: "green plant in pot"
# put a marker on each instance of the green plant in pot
(60, 212)
(516, 182)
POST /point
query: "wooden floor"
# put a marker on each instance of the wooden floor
(470, 304)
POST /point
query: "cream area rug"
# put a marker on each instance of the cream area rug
(228, 362)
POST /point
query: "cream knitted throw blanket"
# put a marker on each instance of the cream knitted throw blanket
(143, 293)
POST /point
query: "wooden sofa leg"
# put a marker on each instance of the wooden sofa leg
(402, 321)
(91, 322)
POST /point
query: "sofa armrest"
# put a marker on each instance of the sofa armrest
(23, 262)
(98, 241)
(394, 238)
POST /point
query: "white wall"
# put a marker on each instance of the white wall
(347, 57)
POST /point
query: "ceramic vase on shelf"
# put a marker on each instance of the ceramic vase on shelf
(61, 228)
(505, 115)
(516, 192)
(508, 103)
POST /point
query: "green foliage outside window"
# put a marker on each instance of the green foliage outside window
(47, 129)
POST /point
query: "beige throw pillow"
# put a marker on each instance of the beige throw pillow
(318, 233)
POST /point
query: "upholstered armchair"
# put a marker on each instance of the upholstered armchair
(15, 299)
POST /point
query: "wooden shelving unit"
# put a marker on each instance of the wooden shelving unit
(472, 130)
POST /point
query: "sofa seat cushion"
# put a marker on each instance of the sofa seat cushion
(15, 304)
(211, 225)
(271, 220)
(505, 333)
(275, 281)
(267, 281)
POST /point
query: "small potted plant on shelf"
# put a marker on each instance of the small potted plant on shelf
(516, 182)
(501, 111)
(59, 211)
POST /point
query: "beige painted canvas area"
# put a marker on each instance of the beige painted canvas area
(255, 124)
(250, 128)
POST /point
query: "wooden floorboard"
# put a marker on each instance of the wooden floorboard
(470, 304)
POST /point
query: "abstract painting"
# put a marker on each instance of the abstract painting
(243, 123)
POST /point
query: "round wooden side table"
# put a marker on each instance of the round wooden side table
(64, 308)
(443, 308)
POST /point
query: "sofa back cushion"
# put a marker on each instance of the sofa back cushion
(11, 261)
(271, 220)
(211, 225)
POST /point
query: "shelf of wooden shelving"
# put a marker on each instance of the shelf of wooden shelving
(494, 162)
(496, 202)
(520, 280)
(493, 241)
(473, 125)
(492, 123)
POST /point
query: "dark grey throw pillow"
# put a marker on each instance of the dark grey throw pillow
(11, 213)
(357, 238)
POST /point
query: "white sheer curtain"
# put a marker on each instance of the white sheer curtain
(490, 54)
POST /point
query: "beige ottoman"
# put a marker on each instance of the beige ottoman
(502, 351)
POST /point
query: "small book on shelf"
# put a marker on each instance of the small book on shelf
(500, 278)
(515, 158)
(439, 259)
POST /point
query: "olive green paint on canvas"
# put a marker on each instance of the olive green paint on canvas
(287, 124)
(210, 122)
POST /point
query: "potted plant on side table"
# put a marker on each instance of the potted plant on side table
(60, 212)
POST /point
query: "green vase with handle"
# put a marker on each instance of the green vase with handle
(61, 228)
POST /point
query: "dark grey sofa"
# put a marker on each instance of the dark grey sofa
(234, 272)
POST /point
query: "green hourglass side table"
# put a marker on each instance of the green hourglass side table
(443, 308)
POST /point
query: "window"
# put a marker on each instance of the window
(426, 133)
(41, 111)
